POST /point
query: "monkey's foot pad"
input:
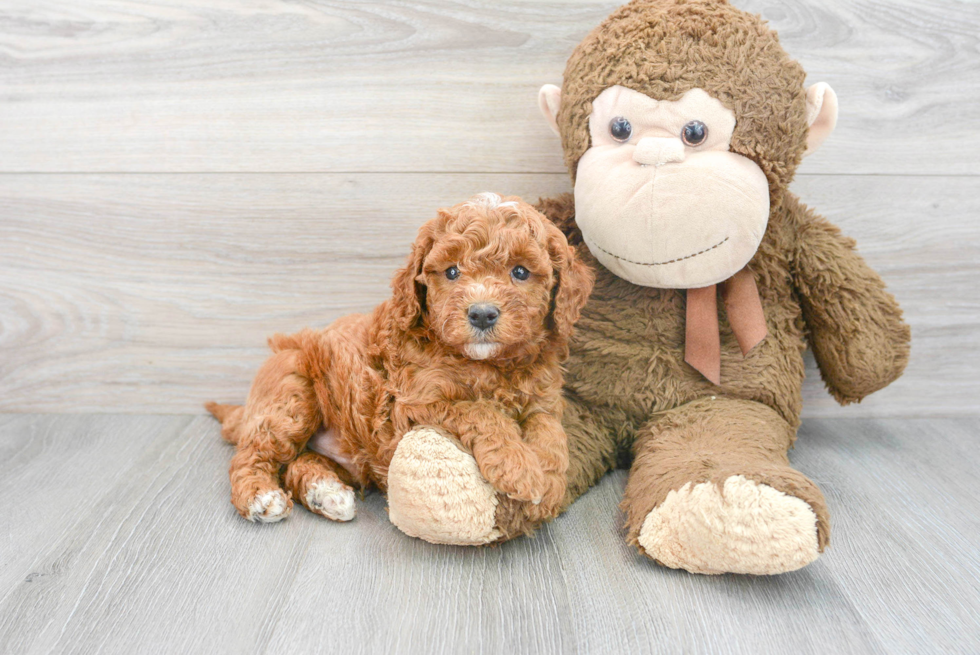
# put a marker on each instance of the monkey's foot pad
(437, 493)
(744, 527)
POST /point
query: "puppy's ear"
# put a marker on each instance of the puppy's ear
(573, 284)
(407, 286)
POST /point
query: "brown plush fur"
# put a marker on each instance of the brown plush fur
(630, 394)
(664, 48)
(368, 379)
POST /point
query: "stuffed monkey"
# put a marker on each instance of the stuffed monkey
(682, 124)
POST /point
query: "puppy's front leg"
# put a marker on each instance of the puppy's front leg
(495, 440)
(546, 438)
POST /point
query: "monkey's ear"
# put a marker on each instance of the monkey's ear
(549, 100)
(821, 114)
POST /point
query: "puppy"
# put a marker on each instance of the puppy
(470, 342)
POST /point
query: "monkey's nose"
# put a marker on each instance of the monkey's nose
(657, 151)
(483, 316)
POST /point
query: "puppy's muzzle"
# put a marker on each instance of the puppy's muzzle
(483, 316)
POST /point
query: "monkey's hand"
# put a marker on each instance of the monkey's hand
(855, 327)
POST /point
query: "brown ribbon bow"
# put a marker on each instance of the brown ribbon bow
(702, 345)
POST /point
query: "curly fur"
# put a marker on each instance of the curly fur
(665, 48)
(368, 379)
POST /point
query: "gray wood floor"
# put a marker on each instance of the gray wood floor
(116, 536)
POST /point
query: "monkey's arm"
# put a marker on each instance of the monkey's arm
(855, 327)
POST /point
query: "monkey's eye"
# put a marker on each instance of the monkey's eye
(520, 273)
(452, 272)
(694, 133)
(620, 129)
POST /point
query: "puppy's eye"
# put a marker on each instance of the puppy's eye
(694, 133)
(452, 272)
(520, 273)
(620, 129)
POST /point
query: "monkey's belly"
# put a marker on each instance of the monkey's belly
(628, 353)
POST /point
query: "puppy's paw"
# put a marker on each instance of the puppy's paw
(332, 499)
(554, 494)
(269, 507)
(524, 483)
(532, 495)
(551, 501)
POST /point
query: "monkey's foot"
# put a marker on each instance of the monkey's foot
(745, 527)
(437, 493)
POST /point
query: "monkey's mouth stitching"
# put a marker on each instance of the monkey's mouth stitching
(672, 261)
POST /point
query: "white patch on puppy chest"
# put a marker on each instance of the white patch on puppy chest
(481, 350)
(332, 498)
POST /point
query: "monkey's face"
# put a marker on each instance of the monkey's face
(660, 199)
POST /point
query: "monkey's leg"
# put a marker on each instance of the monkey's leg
(322, 485)
(711, 491)
(279, 417)
(436, 491)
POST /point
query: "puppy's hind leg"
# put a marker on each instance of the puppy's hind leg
(230, 417)
(322, 485)
(279, 417)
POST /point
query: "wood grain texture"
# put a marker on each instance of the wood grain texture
(149, 293)
(143, 552)
(424, 85)
(152, 564)
(40, 484)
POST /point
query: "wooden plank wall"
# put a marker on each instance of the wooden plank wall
(180, 179)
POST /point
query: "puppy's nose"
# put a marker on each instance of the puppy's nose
(657, 151)
(483, 316)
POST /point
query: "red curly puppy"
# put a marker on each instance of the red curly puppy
(470, 342)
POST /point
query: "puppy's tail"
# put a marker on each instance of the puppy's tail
(230, 417)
